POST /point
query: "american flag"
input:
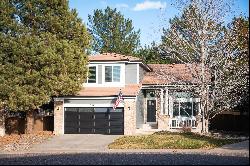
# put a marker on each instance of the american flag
(118, 100)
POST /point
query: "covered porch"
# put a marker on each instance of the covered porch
(167, 108)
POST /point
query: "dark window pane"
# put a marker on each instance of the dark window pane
(92, 74)
(71, 109)
(176, 109)
(186, 109)
(108, 73)
(85, 109)
(174, 123)
(101, 109)
(116, 110)
(195, 108)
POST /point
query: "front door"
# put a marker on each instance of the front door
(151, 110)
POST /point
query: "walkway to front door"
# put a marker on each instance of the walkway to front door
(75, 143)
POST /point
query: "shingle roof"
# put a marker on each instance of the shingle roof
(112, 57)
(172, 74)
(128, 90)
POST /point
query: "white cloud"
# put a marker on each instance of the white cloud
(121, 5)
(147, 5)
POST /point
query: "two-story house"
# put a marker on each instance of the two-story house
(149, 102)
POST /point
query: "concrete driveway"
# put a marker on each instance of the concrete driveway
(75, 143)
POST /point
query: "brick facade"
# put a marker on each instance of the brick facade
(129, 116)
(58, 118)
(163, 122)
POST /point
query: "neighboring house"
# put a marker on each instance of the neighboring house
(150, 100)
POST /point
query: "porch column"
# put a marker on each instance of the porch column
(161, 95)
(170, 106)
(166, 102)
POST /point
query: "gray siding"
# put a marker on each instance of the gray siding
(141, 73)
(85, 101)
(130, 73)
(140, 110)
(99, 74)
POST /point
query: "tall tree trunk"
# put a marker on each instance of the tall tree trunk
(30, 122)
(206, 126)
(203, 90)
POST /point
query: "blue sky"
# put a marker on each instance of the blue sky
(150, 16)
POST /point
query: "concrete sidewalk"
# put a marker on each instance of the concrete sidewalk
(241, 148)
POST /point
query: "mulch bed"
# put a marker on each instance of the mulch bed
(20, 142)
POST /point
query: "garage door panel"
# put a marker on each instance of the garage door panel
(86, 115)
(116, 123)
(86, 131)
(86, 121)
(70, 130)
(71, 115)
(101, 124)
(116, 131)
(101, 116)
(116, 120)
(71, 124)
(86, 125)
(71, 119)
(101, 130)
(93, 121)
(116, 113)
(116, 116)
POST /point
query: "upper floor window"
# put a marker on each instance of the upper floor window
(112, 73)
(92, 74)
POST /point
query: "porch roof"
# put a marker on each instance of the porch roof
(172, 74)
(128, 90)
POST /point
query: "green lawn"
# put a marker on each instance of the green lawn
(169, 140)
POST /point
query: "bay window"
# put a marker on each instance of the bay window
(185, 108)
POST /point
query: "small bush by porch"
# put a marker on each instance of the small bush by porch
(170, 140)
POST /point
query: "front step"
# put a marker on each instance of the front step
(149, 126)
(146, 132)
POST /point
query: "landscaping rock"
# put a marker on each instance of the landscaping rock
(22, 142)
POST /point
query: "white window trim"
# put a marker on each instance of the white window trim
(122, 76)
(188, 99)
(91, 65)
(138, 74)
